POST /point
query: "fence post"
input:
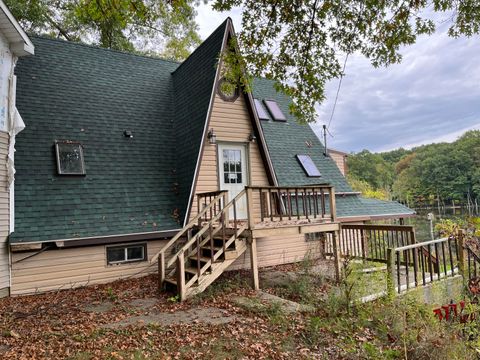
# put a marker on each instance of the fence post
(391, 272)
(333, 207)
(181, 276)
(251, 220)
(161, 271)
(461, 251)
(254, 263)
(336, 255)
(364, 245)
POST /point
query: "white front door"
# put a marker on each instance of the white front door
(233, 175)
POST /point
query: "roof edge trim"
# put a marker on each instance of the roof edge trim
(18, 48)
(207, 123)
(101, 239)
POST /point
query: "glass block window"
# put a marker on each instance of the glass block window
(232, 166)
(274, 109)
(308, 165)
(262, 113)
(69, 158)
(126, 253)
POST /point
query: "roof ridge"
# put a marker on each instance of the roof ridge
(79, 43)
(204, 42)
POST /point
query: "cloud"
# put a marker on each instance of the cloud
(433, 95)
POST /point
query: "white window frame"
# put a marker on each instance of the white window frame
(125, 247)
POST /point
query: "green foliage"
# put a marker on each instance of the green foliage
(111, 294)
(443, 172)
(371, 168)
(367, 190)
(129, 25)
(298, 44)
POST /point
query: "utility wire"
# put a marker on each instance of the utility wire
(338, 92)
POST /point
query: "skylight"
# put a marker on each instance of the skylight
(273, 108)
(262, 113)
(69, 158)
(308, 165)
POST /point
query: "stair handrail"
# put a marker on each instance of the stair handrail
(187, 227)
(206, 227)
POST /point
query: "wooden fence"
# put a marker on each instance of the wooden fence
(417, 264)
(370, 242)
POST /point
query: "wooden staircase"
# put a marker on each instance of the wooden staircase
(200, 252)
(208, 245)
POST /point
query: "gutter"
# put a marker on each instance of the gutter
(94, 240)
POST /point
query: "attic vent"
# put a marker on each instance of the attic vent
(274, 109)
(262, 113)
(308, 165)
(69, 158)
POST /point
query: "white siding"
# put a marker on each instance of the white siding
(4, 213)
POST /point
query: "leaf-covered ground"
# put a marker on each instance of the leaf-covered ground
(73, 324)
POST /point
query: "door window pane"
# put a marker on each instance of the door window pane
(232, 166)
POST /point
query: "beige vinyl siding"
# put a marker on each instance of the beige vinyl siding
(231, 123)
(4, 212)
(68, 268)
(339, 161)
(277, 250)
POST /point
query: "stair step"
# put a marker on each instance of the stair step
(204, 259)
(194, 271)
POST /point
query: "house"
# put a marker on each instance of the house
(130, 165)
(14, 43)
(340, 159)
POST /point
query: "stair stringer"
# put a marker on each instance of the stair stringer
(217, 269)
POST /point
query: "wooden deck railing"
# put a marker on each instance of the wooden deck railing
(205, 199)
(418, 264)
(370, 242)
(291, 203)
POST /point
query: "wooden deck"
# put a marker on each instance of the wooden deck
(224, 229)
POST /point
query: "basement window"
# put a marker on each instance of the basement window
(262, 113)
(274, 109)
(120, 254)
(69, 158)
(308, 166)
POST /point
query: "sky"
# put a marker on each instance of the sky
(432, 96)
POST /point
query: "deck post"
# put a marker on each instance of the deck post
(181, 276)
(254, 263)
(333, 207)
(226, 213)
(161, 271)
(391, 272)
(251, 222)
(461, 251)
(336, 255)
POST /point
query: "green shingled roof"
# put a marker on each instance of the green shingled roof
(70, 91)
(287, 139)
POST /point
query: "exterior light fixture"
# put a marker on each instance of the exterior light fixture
(128, 134)
(212, 137)
(252, 138)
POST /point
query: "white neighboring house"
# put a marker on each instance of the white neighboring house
(13, 44)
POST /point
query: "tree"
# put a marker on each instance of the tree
(116, 24)
(298, 43)
(372, 168)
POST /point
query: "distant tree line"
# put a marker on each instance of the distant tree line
(434, 174)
